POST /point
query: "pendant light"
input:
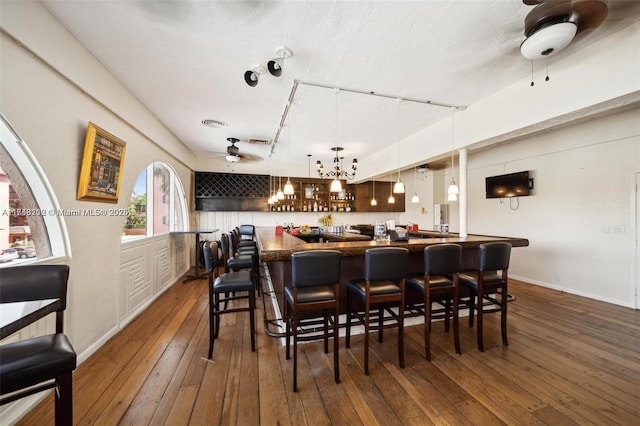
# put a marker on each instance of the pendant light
(280, 193)
(398, 188)
(391, 200)
(270, 201)
(374, 202)
(415, 199)
(288, 187)
(453, 188)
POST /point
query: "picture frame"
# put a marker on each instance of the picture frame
(308, 193)
(102, 166)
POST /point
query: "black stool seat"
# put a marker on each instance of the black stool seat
(310, 294)
(32, 361)
(237, 281)
(359, 287)
(471, 279)
(240, 261)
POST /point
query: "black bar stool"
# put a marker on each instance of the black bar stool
(439, 284)
(315, 286)
(230, 283)
(237, 261)
(382, 286)
(486, 285)
(44, 362)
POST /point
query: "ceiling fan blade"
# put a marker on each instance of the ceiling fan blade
(546, 12)
(586, 14)
(589, 13)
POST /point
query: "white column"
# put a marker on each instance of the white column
(462, 155)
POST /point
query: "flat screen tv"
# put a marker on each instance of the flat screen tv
(509, 185)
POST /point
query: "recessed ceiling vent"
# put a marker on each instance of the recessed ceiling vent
(258, 141)
(216, 124)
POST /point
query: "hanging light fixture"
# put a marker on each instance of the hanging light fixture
(288, 187)
(415, 199)
(391, 200)
(338, 172)
(270, 201)
(398, 188)
(374, 202)
(453, 188)
(280, 193)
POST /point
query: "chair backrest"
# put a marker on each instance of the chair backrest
(494, 256)
(211, 256)
(224, 245)
(34, 282)
(315, 268)
(442, 259)
(247, 231)
(385, 263)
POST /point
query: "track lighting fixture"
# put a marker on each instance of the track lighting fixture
(275, 65)
(251, 77)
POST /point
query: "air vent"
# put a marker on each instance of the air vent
(259, 141)
(216, 124)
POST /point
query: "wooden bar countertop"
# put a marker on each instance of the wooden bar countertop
(280, 247)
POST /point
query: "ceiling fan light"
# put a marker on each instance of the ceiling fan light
(232, 158)
(288, 187)
(548, 40)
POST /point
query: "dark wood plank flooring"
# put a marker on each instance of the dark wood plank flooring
(571, 360)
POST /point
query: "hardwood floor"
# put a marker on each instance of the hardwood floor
(570, 360)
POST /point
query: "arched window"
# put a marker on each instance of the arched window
(28, 207)
(157, 204)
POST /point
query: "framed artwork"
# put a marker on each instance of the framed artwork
(102, 164)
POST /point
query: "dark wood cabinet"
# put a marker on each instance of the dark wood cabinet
(364, 194)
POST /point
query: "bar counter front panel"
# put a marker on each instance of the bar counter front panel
(276, 250)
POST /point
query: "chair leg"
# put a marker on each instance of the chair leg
(287, 331)
(211, 325)
(252, 318)
(366, 337)
(401, 335)
(64, 400)
(347, 338)
(503, 315)
(380, 322)
(456, 323)
(336, 340)
(216, 314)
(480, 315)
(326, 330)
(294, 326)
(427, 324)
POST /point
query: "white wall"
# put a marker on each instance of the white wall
(49, 97)
(579, 220)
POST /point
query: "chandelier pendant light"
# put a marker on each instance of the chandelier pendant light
(338, 171)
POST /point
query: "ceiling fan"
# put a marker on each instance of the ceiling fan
(552, 24)
(233, 154)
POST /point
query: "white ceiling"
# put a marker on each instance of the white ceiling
(185, 61)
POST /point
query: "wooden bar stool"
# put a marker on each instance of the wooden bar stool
(439, 283)
(486, 285)
(235, 286)
(382, 286)
(315, 286)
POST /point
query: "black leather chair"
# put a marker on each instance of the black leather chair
(315, 286)
(487, 287)
(239, 260)
(234, 286)
(439, 283)
(247, 232)
(382, 286)
(43, 362)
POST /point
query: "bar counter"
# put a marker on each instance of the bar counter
(275, 251)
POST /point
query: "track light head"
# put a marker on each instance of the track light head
(275, 65)
(251, 77)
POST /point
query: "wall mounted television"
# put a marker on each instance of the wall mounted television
(509, 185)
